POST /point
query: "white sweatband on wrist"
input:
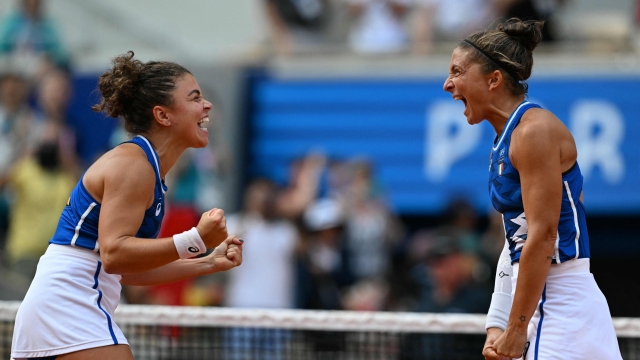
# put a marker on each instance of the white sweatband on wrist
(500, 308)
(189, 244)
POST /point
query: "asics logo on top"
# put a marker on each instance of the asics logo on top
(158, 208)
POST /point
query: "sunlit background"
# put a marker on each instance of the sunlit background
(352, 176)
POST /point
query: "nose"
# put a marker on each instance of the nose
(448, 85)
(207, 105)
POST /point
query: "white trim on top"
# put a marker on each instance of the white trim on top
(575, 218)
(509, 122)
(77, 231)
(556, 248)
(153, 152)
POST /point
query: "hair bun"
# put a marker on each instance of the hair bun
(528, 33)
(119, 84)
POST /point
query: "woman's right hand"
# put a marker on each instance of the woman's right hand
(212, 228)
(489, 352)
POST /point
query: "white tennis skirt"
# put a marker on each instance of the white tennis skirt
(572, 320)
(69, 306)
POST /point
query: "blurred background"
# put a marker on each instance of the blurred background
(353, 178)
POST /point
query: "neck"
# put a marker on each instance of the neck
(498, 114)
(168, 152)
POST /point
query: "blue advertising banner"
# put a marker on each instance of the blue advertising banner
(424, 152)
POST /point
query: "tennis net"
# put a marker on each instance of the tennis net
(175, 333)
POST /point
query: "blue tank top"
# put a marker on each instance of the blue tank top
(78, 225)
(572, 241)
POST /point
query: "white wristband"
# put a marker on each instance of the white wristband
(498, 315)
(500, 308)
(189, 244)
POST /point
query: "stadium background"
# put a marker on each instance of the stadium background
(388, 109)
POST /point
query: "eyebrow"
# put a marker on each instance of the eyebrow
(193, 91)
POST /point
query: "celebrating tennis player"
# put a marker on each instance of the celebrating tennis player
(106, 234)
(556, 310)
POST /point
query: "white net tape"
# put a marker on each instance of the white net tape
(308, 320)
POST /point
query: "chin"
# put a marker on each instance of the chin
(473, 121)
(201, 144)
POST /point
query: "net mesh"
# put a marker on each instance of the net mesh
(161, 332)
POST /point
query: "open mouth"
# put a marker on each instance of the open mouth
(202, 123)
(464, 101)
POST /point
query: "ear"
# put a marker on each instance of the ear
(161, 116)
(494, 79)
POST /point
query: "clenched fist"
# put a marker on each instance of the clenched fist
(212, 227)
(227, 255)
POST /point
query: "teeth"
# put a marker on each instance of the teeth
(202, 121)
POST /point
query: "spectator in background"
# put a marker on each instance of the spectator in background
(636, 34)
(267, 276)
(446, 277)
(303, 188)
(296, 24)
(443, 274)
(20, 130)
(445, 20)
(378, 26)
(36, 180)
(29, 38)
(372, 231)
(54, 94)
(324, 270)
(533, 10)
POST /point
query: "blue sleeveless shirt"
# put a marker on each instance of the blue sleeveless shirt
(78, 225)
(572, 240)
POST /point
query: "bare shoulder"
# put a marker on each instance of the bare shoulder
(537, 135)
(539, 126)
(125, 165)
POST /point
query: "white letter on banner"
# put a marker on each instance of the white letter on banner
(443, 146)
(603, 148)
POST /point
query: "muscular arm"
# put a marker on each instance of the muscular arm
(175, 271)
(128, 182)
(224, 257)
(536, 154)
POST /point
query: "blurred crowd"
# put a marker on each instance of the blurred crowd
(38, 159)
(393, 26)
(325, 239)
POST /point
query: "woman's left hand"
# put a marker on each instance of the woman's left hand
(511, 343)
(227, 255)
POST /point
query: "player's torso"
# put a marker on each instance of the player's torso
(506, 197)
(78, 225)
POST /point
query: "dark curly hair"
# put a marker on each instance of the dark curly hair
(131, 88)
(509, 49)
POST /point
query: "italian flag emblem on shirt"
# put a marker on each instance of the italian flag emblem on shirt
(500, 168)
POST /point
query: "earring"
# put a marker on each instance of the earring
(166, 123)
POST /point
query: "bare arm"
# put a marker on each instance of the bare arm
(535, 152)
(124, 183)
(500, 308)
(226, 256)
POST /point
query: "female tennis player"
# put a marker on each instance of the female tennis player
(106, 234)
(556, 310)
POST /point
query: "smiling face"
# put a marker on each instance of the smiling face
(468, 84)
(189, 113)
